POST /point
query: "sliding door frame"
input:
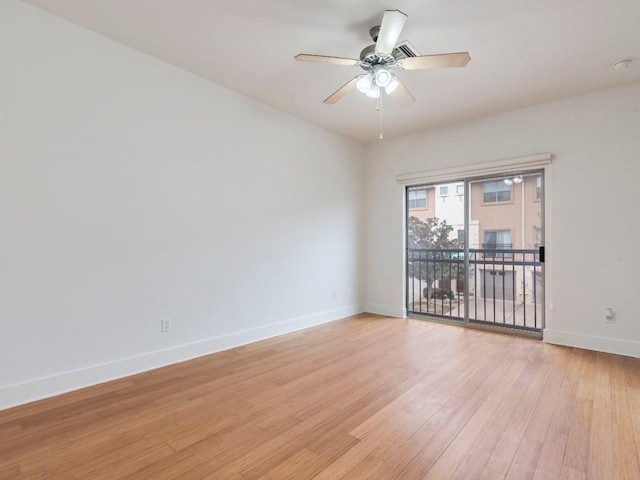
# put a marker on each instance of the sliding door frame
(540, 163)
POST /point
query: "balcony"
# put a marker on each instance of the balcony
(504, 285)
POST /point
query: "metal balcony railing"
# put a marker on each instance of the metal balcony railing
(504, 285)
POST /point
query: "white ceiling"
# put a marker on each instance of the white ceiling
(523, 52)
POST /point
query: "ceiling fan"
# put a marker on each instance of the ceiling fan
(381, 59)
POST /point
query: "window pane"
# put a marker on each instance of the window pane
(496, 192)
(417, 198)
(490, 237)
(496, 187)
(491, 187)
(504, 237)
(460, 189)
(499, 238)
(503, 196)
(444, 190)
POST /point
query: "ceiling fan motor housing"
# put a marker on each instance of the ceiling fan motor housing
(374, 33)
(370, 59)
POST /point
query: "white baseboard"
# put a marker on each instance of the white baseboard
(387, 310)
(18, 394)
(589, 342)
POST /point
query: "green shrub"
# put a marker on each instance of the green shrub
(439, 293)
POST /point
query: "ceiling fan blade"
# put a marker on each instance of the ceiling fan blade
(444, 60)
(390, 29)
(305, 57)
(402, 95)
(342, 91)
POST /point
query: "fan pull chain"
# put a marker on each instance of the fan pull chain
(379, 109)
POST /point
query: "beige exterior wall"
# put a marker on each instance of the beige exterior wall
(509, 215)
(430, 210)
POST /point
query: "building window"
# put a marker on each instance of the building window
(461, 236)
(495, 240)
(538, 187)
(538, 237)
(460, 190)
(496, 192)
(418, 198)
(444, 191)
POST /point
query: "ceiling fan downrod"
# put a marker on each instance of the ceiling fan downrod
(379, 110)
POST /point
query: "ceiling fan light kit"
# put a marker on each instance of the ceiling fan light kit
(382, 77)
(380, 59)
(372, 83)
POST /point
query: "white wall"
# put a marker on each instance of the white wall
(450, 207)
(593, 190)
(131, 190)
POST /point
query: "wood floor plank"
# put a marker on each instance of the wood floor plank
(633, 394)
(442, 469)
(507, 447)
(577, 448)
(9, 471)
(551, 455)
(474, 428)
(363, 469)
(488, 474)
(369, 397)
(524, 463)
(416, 469)
(472, 465)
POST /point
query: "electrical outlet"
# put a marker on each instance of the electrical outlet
(165, 325)
(609, 316)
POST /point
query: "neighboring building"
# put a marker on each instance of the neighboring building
(450, 207)
(505, 215)
(509, 216)
(421, 202)
(449, 199)
(445, 202)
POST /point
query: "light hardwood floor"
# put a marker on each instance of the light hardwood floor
(368, 397)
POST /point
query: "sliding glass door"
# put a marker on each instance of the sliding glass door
(475, 251)
(435, 250)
